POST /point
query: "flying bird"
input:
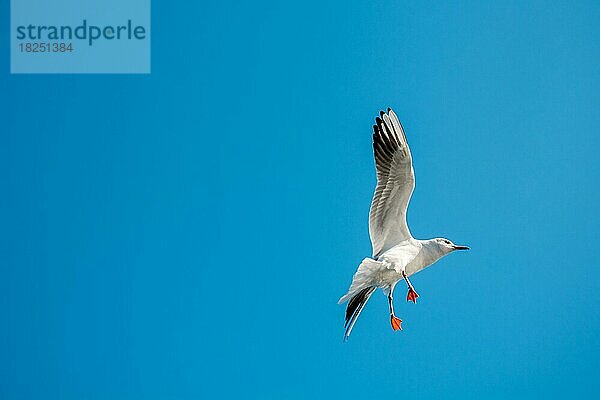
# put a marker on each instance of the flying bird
(396, 254)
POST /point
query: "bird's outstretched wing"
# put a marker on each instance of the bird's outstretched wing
(395, 184)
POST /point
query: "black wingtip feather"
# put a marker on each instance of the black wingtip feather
(355, 302)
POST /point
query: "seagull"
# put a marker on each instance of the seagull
(396, 254)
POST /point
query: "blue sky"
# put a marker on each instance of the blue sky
(186, 234)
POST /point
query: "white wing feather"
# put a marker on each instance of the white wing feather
(395, 184)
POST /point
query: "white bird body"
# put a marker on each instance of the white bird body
(428, 253)
(392, 266)
(396, 254)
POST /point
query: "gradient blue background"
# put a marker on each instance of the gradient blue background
(187, 234)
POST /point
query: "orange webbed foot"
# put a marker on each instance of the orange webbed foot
(396, 323)
(412, 295)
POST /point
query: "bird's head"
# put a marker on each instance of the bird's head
(446, 246)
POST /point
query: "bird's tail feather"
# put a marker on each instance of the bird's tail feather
(355, 307)
(363, 278)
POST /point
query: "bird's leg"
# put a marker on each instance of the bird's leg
(393, 319)
(412, 294)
